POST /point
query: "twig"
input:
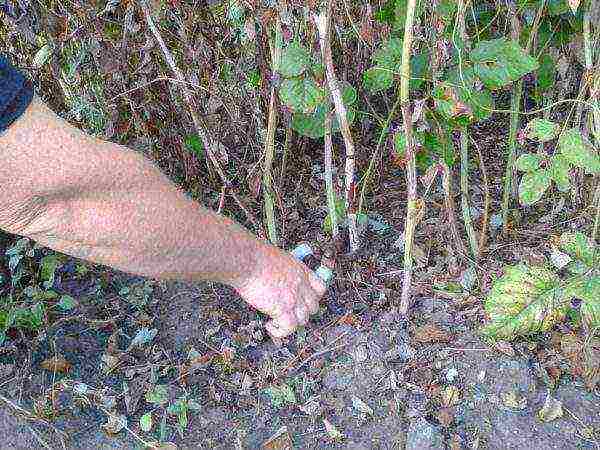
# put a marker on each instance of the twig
(286, 146)
(464, 192)
(375, 155)
(157, 79)
(486, 202)
(411, 168)
(198, 125)
(323, 22)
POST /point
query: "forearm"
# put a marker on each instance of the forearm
(107, 204)
(153, 230)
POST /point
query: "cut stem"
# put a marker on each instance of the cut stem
(464, 192)
(451, 209)
(323, 22)
(412, 206)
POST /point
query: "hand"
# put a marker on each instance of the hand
(283, 288)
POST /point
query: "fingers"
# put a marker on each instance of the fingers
(317, 284)
(302, 313)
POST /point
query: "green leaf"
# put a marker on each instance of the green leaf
(579, 246)
(313, 125)
(559, 171)
(146, 422)
(533, 186)
(349, 94)
(295, 59)
(66, 303)
(578, 152)
(557, 7)
(378, 79)
(419, 68)
(589, 293)
(542, 130)
(48, 267)
(445, 9)
(499, 62)
(388, 61)
(524, 301)
(439, 145)
(157, 395)
(301, 94)
(389, 54)
(528, 162)
(280, 395)
(546, 74)
(462, 105)
(193, 144)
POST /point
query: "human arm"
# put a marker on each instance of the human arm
(107, 204)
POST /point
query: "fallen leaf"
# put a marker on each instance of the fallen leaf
(163, 446)
(574, 4)
(583, 356)
(281, 440)
(513, 400)
(361, 406)
(430, 333)
(115, 423)
(332, 431)
(551, 410)
(143, 336)
(450, 396)
(56, 364)
(146, 422)
(504, 347)
(445, 416)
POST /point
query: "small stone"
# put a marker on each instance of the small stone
(451, 374)
(423, 436)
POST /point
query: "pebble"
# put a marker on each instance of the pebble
(423, 436)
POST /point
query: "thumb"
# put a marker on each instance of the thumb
(281, 326)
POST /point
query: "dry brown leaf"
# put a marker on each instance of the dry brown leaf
(551, 410)
(431, 333)
(281, 440)
(504, 347)
(56, 364)
(115, 423)
(574, 4)
(445, 416)
(450, 396)
(583, 356)
(332, 431)
(164, 446)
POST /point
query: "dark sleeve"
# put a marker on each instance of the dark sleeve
(16, 93)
